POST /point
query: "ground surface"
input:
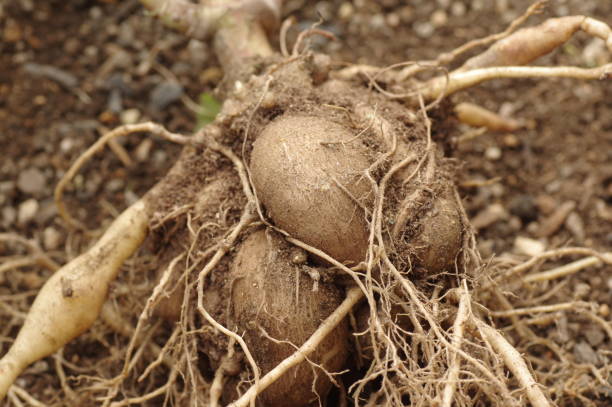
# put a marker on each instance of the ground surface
(120, 66)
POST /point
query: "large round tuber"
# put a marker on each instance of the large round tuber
(271, 299)
(309, 174)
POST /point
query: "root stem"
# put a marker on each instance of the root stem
(515, 363)
(455, 364)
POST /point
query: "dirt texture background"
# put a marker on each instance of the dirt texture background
(113, 64)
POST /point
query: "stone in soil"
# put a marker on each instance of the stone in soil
(52, 238)
(530, 247)
(524, 207)
(584, 353)
(27, 211)
(594, 335)
(9, 214)
(165, 94)
(31, 181)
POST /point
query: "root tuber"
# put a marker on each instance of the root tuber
(71, 300)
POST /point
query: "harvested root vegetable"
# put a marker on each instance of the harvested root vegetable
(308, 173)
(305, 195)
(278, 308)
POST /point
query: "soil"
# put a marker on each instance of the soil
(114, 64)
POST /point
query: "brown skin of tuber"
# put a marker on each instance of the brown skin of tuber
(208, 205)
(440, 238)
(264, 299)
(297, 165)
(298, 162)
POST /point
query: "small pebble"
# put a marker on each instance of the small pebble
(7, 187)
(546, 204)
(406, 14)
(51, 238)
(143, 150)
(423, 29)
(159, 158)
(118, 82)
(478, 4)
(493, 153)
(115, 185)
(46, 211)
(130, 116)
(66, 144)
(497, 190)
(9, 214)
(12, 31)
(164, 94)
(377, 22)
(31, 181)
(95, 13)
(40, 100)
(126, 35)
(524, 207)
(510, 140)
(439, 18)
(515, 224)
(115, 102)
(581, 290)
(529, 247)
(346, 11)
(575, 225)
(393, 20)
(298, 256)
(91, 51)
(181, 68)
(584, 353)
(130, 197)
(72, 45)
(27, 211)
(562, 332)
(594, 336)
(458, 9)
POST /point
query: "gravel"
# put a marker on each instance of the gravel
(165, 94)
(31, 181)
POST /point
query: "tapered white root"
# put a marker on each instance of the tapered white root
(568, 269)
(71, 300)
(353, 296)
(515, 363)
(478, 116)
(455, 361)
(458, 81)
(528, 44)
(521, 48)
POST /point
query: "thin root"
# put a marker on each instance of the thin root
(353, 296)
(128, 129)
(515, 363)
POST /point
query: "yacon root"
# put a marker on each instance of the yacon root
(71, 300)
